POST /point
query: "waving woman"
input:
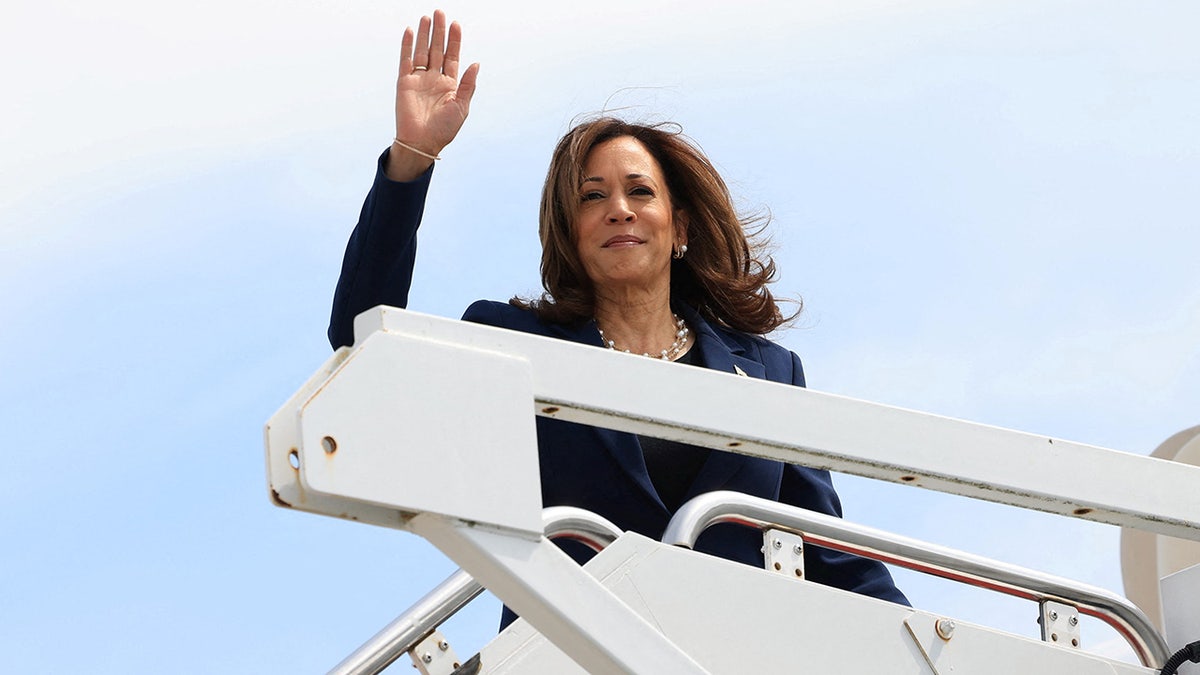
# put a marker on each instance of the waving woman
(643, 252)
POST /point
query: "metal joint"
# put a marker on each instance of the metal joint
(433, 656)
(783, 553)
(1060, 624)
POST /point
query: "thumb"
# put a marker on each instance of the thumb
(466, 86)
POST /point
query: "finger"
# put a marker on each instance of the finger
(466, 88)
(421, 54)
(437, 43)
(406, 47)
(453, 45)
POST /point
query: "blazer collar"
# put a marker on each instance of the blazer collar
(723, 352)
(719, 350)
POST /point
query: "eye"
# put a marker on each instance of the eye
(641, 190)
(591, 196)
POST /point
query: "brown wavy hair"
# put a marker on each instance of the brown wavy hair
(725, 273)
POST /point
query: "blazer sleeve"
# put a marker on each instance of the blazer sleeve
(378, 265)
(813, 489)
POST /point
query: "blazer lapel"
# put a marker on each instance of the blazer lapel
(724, 356)
(624, 448)
(716, 353)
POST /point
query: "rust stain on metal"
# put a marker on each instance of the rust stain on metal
(1082, 512)
(735, 444)
(908, 479)
(278, 501)
(550, 410)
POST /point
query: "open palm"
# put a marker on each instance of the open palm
(431, 102)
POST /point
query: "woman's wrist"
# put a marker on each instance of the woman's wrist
(396, 142)
(404, 163)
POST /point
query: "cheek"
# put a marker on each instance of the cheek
(583, 227)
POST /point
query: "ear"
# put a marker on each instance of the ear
(681, 227)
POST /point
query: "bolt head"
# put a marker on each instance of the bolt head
(944, 628)
(798, 549)
(443, 645)
(1074, 621)
(777, 544)
(1053, 615)
(427, 657)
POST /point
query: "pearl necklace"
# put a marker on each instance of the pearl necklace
(669, 354)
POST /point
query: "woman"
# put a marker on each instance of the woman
(642, 252)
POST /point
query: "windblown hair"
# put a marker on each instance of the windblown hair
(725, 273)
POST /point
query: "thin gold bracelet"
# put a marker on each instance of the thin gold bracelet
(410, 148)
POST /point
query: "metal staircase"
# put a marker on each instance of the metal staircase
(389, 432)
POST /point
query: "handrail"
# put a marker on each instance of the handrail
(444, 601)
(578, 383)
(569, 522)
(724, 507)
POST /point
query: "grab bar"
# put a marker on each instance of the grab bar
(733, 507)
(444, 601)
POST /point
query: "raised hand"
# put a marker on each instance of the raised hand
(431, 102)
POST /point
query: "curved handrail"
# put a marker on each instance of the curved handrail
(444, 601)
(569, 522)
(723, 507)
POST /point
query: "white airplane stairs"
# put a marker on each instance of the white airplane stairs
(393, 432)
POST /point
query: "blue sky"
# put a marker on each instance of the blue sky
(989, 209)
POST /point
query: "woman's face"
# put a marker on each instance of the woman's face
(625, 228)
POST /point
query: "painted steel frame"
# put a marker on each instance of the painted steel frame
(826, 431)
(457, 590)
(332, 450)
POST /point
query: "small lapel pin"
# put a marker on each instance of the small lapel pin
(739, 371)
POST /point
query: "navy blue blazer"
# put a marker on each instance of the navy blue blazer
(602, 470)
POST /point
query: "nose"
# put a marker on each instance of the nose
(619, 211)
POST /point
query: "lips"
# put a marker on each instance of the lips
(622, 240)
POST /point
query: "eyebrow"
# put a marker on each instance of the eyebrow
(599, 179)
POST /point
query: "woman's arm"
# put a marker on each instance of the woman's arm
(431, 106)
(378, 265)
